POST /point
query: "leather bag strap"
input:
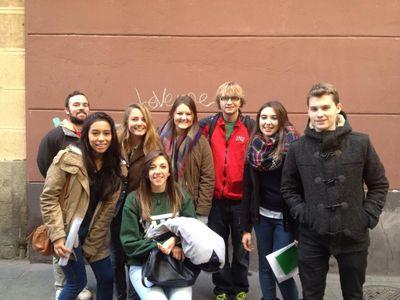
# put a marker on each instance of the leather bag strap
(64, 192)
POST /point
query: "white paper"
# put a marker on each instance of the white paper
(279, 274)
(72, 236)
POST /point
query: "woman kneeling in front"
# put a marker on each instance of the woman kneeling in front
(158, 198)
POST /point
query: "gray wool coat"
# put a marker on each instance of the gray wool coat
(323, 184)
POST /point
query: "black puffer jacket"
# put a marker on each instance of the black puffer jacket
(323, 184)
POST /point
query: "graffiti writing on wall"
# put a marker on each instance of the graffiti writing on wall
(166, 99)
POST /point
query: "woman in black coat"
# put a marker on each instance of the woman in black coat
(263, 206)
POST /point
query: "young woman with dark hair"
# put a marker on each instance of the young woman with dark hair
(137, 137)
(93, 174)
(263, 206)
(190, 153)
(158, 198)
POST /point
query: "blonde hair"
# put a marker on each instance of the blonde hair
(151, 139)
(230, 88)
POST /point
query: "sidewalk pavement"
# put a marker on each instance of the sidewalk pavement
(20, 280)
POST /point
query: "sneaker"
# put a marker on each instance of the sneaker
(85, 294)
(241, 296)
(58, 292)
(221, 296)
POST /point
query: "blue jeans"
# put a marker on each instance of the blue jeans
(224, 220)
(76, 279)
(155, 292)
(271, 236)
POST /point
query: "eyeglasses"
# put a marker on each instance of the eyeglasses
(227, 98)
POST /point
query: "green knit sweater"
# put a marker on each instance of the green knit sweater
(132, 233)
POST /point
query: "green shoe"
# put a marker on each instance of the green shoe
(241, 296)
(222, 296)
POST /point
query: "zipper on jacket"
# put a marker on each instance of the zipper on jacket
(226, 158)
(226, 154)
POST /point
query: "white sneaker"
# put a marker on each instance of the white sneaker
(58, 292)
(85, 294)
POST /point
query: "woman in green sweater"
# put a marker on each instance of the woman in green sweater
(157, 199)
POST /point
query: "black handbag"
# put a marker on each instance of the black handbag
(165, 271)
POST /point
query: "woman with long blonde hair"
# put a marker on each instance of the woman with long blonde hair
(137, 137)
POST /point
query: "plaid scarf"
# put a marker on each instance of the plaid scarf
(260, 154)
(179, 147)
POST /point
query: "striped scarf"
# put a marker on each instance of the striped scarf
(179, 147)
(260, 154)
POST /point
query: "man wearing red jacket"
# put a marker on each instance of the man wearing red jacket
(228, 133)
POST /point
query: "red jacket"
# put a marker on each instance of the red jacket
(229, 156)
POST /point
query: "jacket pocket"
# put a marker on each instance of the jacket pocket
(319, 219)
(356, 226)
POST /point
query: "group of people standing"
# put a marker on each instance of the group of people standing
(228, 170)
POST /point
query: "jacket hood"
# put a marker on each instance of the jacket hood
(68, 128)
(70, 160)
(330, 140)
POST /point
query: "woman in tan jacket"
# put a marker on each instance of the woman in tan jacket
(93, 175)
(190, 153)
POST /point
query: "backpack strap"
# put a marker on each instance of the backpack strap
(249, 123)
(210, 122)
(64, 192)
(212, 126)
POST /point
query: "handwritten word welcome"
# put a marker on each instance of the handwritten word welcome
(166, 99)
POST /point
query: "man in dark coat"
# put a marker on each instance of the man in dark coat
(323, 184)
(66, 133)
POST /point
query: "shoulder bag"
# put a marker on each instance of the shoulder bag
(39, 237)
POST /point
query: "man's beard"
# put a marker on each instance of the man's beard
(75, 120)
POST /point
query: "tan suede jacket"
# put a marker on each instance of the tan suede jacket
(199, 176)
(58, 221)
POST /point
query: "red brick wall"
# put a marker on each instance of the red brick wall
(119, 52)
